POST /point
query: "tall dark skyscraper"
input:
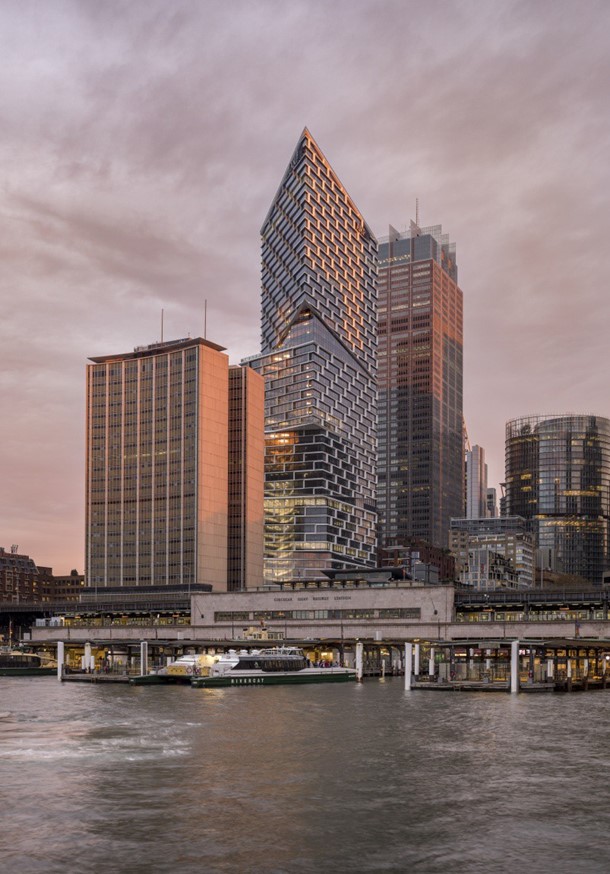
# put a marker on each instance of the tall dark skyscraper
(420, 431)
(558, 478)
(319, 360)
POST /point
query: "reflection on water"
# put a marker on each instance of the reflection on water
(346, 778)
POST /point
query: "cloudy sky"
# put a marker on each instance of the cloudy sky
(142, 141)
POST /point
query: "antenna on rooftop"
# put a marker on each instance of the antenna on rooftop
(205, 319)
(161, 325)
(417, 211)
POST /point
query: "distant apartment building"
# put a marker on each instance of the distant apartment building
(472, 539)
(558, 479)
(68, 587)
(476, 483)
(20, 578)
(421, 561)
(488, 570)
(23, 581)
(170, 498)
(420, 384)
(318, 357)
(491, 501)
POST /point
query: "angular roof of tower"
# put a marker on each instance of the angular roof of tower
(306, 134)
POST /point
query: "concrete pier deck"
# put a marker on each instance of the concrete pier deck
(79, 677)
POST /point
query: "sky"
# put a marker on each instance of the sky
(142, 142)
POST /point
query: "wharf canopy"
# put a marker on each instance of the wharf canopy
(318, 358)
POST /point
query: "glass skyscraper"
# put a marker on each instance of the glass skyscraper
(558, 478)
(420, 379)
(318, 357)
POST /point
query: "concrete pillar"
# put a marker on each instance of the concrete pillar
(87, 657)
(530, 672)
(431, 665)
(60, 658)
(143, 657)
(569, 668)
(514, 666)
(359, 661)
(549, 669)
(408, 665)
(416, 662)
(585, 668)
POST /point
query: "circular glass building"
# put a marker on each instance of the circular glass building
(558, 477)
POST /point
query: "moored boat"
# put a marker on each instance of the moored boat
(269, 667)
(16, 663)
(182, 670)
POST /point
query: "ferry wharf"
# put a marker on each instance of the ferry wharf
(469, 664)
(555, 665)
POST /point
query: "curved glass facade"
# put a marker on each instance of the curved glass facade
(558, 476)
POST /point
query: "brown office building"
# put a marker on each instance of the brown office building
(165, 438)
(420, 376)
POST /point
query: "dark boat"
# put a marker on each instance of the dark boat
(14, 663)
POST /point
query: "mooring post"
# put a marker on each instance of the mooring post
(143, 657)
(359, 661)
(60, 659)
(514, 666)
(408, 665)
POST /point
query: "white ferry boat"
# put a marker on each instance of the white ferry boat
(269, 667)
(182, 670)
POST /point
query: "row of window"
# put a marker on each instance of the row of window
(349, 613)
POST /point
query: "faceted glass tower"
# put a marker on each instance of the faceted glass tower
(318, 358)
(420, 431)
(558, 478)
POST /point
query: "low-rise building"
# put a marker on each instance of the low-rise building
(504, 535)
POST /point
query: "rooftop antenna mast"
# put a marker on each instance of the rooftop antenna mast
(205, 319)
(161, 325)
(417, 211)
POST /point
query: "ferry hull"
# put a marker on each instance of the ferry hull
(28, 672)
(286, 679)
(161, 680)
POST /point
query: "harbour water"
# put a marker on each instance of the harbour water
(107, 779)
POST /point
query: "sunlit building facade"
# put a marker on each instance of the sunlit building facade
(246, 478)
(558, 478)
(318, 357)
(163, 435)
(420, 384)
